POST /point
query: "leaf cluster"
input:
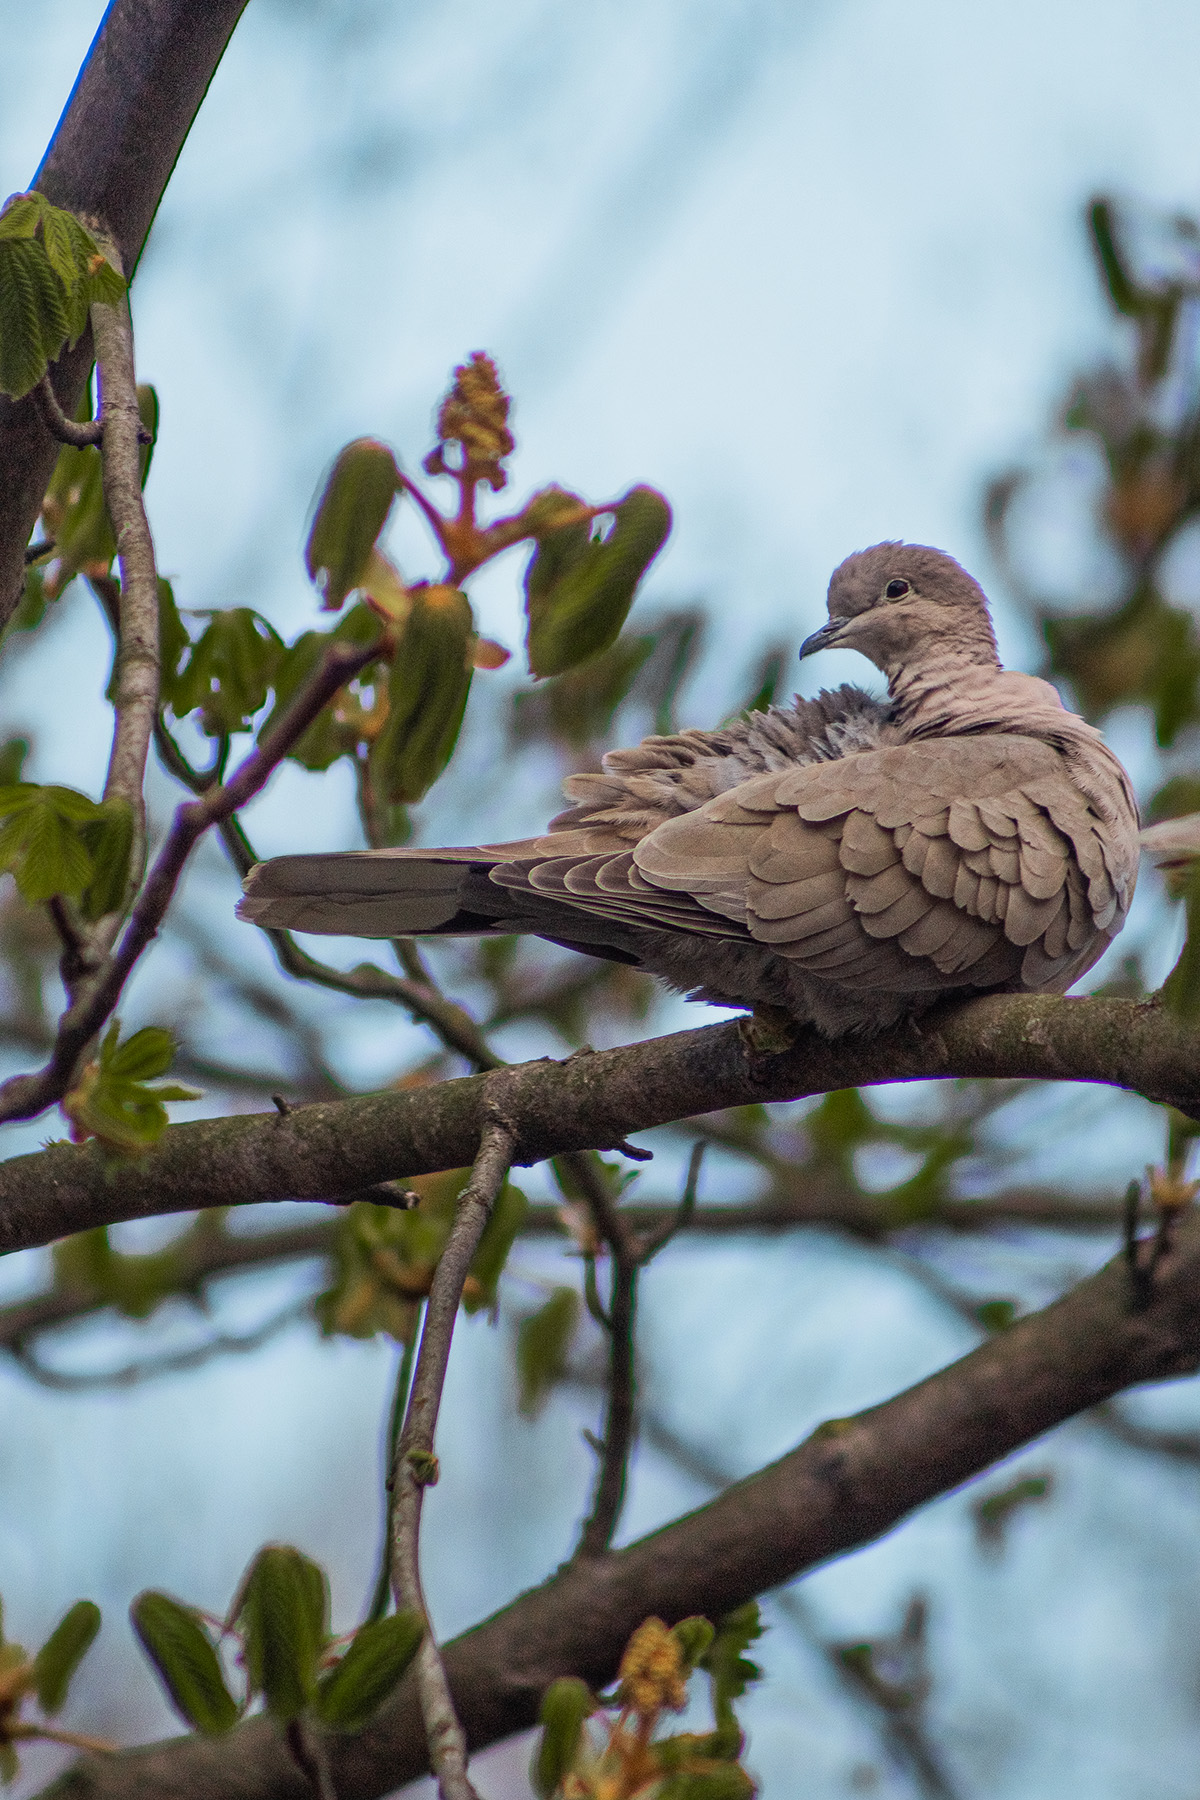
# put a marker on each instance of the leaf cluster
(278, 1627)
(51, 272)
(385, 1258)
(591, 1746)
(118, 1097)
(56, 843)
(1143, 414)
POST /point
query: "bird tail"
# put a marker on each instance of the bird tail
(410, 893)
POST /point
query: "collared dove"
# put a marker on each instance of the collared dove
(845, 859)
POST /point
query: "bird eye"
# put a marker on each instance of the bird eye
(896, 590)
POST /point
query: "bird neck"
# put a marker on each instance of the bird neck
(950, 683)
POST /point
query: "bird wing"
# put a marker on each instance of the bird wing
(957, 861)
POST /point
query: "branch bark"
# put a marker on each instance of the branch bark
(110, 159)
(849, 1483)
(593, 1101)
(135, 672)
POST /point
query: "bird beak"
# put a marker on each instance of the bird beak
(823, 639)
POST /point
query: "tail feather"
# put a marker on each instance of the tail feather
(404, 893)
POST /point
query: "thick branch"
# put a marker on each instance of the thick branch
(850, 1482)
(326, 1150)
(110, 159)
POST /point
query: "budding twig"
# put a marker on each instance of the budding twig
(415, 1466)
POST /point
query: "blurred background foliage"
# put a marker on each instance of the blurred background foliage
(176, 1396)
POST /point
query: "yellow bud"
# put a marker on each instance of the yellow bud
(651, 1672)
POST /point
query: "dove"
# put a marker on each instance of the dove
(848, 860)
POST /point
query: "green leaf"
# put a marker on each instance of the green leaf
(332, 733)
(108, 839)
(350, 515)
(229, 672)
(362, 1679)
(179, 1646)
(62, 1653)
(731, 1671)
(76, 517)
(579, 587)
(694, 1637)
(283, 1611)
(543, 1343)
(35, 315)
(112, 1100)
(1122, 290)
(142, 1057)
(499, 1235)
(39, 845)
(148, 412)
(565, 1710)
(12, 761)
(47, 284)
(173, 639)
(427, 695)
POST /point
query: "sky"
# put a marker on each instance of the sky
(818, 271)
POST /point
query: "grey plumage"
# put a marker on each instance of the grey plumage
(847, 859)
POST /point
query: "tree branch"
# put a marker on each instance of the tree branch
(331, 1148)
(110, 159)
(613, 1227)
(135, 673)
(850, 1482)
(415, 1467)
(207, 1257)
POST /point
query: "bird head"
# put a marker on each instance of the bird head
(900, 603)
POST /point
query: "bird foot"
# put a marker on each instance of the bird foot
(767, 1031)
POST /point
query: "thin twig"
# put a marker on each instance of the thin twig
(415, 1466)
(73, 1740)
(383, 1580)
(624, 1262)
(136, 670)
(654, 1241)
(76, 432)
(35, 552)
(171, 1362)
(22, 1096)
